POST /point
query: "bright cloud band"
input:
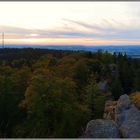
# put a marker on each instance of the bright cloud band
(81, 23)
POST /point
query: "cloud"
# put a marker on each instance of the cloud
(11, 29)
(89, 26)
(101, 32)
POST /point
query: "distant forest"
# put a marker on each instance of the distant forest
(53, 94)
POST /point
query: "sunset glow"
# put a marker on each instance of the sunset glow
(76, 23)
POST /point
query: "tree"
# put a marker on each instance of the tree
(81, 73)
(116, 88)
(52, 109)
(136, 83)
(95, 100)
(126, 72)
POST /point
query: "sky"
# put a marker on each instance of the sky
(71, 23)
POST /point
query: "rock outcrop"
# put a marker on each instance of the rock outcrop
(101, 129)
(127, 116)
(109, 111)
(121, 119)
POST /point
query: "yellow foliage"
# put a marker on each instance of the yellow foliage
(135, 98)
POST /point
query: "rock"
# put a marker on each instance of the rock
(103, 85)
(121, 119)
(109, 111)
(127, 116)
(123, 103)
(101, 129)
(111, 103)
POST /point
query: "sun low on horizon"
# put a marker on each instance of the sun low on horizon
(70, 23)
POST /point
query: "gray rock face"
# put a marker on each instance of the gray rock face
(101, 129)
(127, 116)
(123, 103)
(103, 85)
(121, 118)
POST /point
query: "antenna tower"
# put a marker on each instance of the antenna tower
(3, 40)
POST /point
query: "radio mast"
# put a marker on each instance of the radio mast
(3, 40)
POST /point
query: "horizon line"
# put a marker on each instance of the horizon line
(71, 45)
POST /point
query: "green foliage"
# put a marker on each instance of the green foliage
(81, 73)
(52, 101)
(53, 94)
(95, 100)
(116, 88)
(137, 80)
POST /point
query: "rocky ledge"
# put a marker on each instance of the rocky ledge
(121, 119)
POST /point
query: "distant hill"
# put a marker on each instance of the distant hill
(131, 50)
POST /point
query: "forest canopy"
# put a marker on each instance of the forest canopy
(53, 94)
